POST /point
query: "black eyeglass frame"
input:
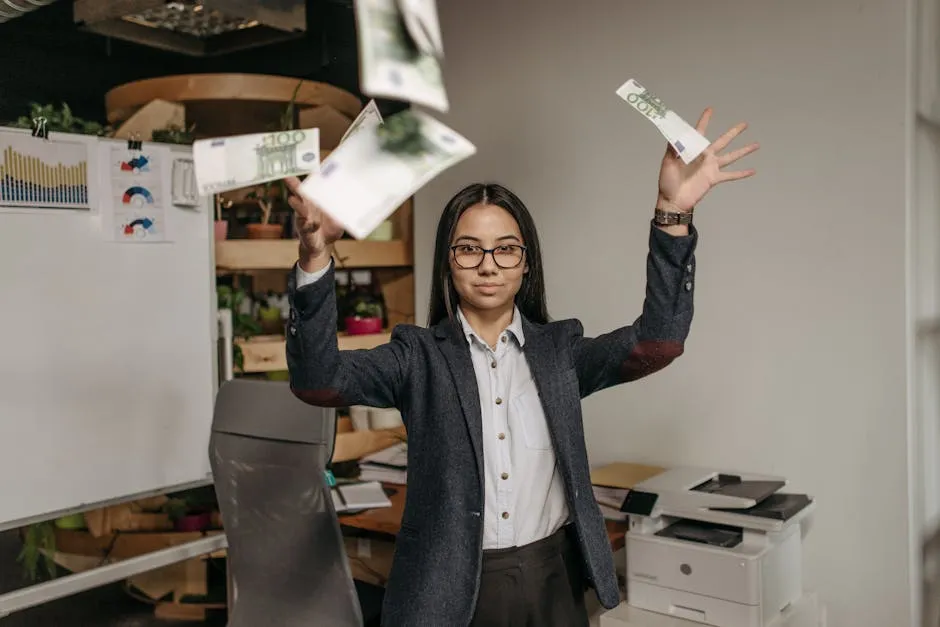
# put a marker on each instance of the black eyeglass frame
(492, 253)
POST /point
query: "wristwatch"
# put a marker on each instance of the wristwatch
(672, 218)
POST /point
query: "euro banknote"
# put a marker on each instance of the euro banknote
(227, 163)
(685, 140)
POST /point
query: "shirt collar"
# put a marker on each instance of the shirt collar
(514, 329)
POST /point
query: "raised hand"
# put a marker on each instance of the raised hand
(683, 186)
(316, 230)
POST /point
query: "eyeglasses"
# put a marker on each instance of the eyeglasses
(468, 256)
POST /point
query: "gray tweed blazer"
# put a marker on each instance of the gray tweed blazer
(427, 374)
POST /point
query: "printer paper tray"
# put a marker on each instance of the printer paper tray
(694, 607)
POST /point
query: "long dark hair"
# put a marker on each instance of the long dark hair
(444, 298)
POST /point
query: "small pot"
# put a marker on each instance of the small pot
(221, 230)
(194, 522)
(363, 326)
(264, 231)
(344, 425)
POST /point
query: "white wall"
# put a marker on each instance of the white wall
(797, 361)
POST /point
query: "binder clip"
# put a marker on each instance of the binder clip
(134, 142)
(39, 127)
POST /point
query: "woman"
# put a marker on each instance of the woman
(500, 526)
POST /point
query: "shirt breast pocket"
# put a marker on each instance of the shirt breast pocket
(528, 411)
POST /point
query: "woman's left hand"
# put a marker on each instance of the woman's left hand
(682, 186)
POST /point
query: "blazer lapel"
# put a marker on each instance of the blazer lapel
(543, 363)
(456, 352)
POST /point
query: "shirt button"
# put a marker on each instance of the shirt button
(501, 436)
(504, 476)
(492, 364)
(499, 401)
(688, 286)
(293, 330)
(688, 268)
(503, 340)
(505, 515)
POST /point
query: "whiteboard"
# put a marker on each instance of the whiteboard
(108, 361)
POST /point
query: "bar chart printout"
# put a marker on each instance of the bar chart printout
(42, 173)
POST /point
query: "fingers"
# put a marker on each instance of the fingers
(293, 184)
(734, 155)
(722, 142)
(297, 204)
(735, 175)
(702, 123)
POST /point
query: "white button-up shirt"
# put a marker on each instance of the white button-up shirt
(524, 497)
(524, 494)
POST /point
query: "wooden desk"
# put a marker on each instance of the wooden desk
(388, 519)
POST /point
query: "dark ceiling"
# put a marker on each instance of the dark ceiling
(45, 58)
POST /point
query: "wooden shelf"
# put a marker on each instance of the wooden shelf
(233, 104)
(280, 254)
(267, 353)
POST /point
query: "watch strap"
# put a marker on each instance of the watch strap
(672, 218)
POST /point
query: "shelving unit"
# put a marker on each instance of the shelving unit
(266, 353)
(268, 262)
(280, 254)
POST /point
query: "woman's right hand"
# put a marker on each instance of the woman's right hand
(315, 229)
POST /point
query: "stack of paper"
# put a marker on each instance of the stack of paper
(612, 482)
(609, 501)
(389, 465)
(352, 497)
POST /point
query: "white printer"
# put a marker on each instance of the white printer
(716, 548)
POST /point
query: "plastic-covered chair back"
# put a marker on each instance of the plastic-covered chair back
(286, 558)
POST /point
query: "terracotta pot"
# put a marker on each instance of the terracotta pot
(264, 231)
(221, 230)
(363, 326)
(344, 424)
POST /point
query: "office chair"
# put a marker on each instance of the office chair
(286, 559)
(930, 591)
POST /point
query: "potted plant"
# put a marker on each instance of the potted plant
(173, 134)
(60, 120)
(193, 510)
(267, 196)
(365, 318)
(221, 226)
(185, 517)
(243, 325)
(271, 315)
(273, 194)
(38, 549)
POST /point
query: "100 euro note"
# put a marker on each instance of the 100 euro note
(363, 182)
(684, 139)
(369, 117)
(227, 163)
(391, 65)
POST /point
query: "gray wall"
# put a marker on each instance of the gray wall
(797, 362)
